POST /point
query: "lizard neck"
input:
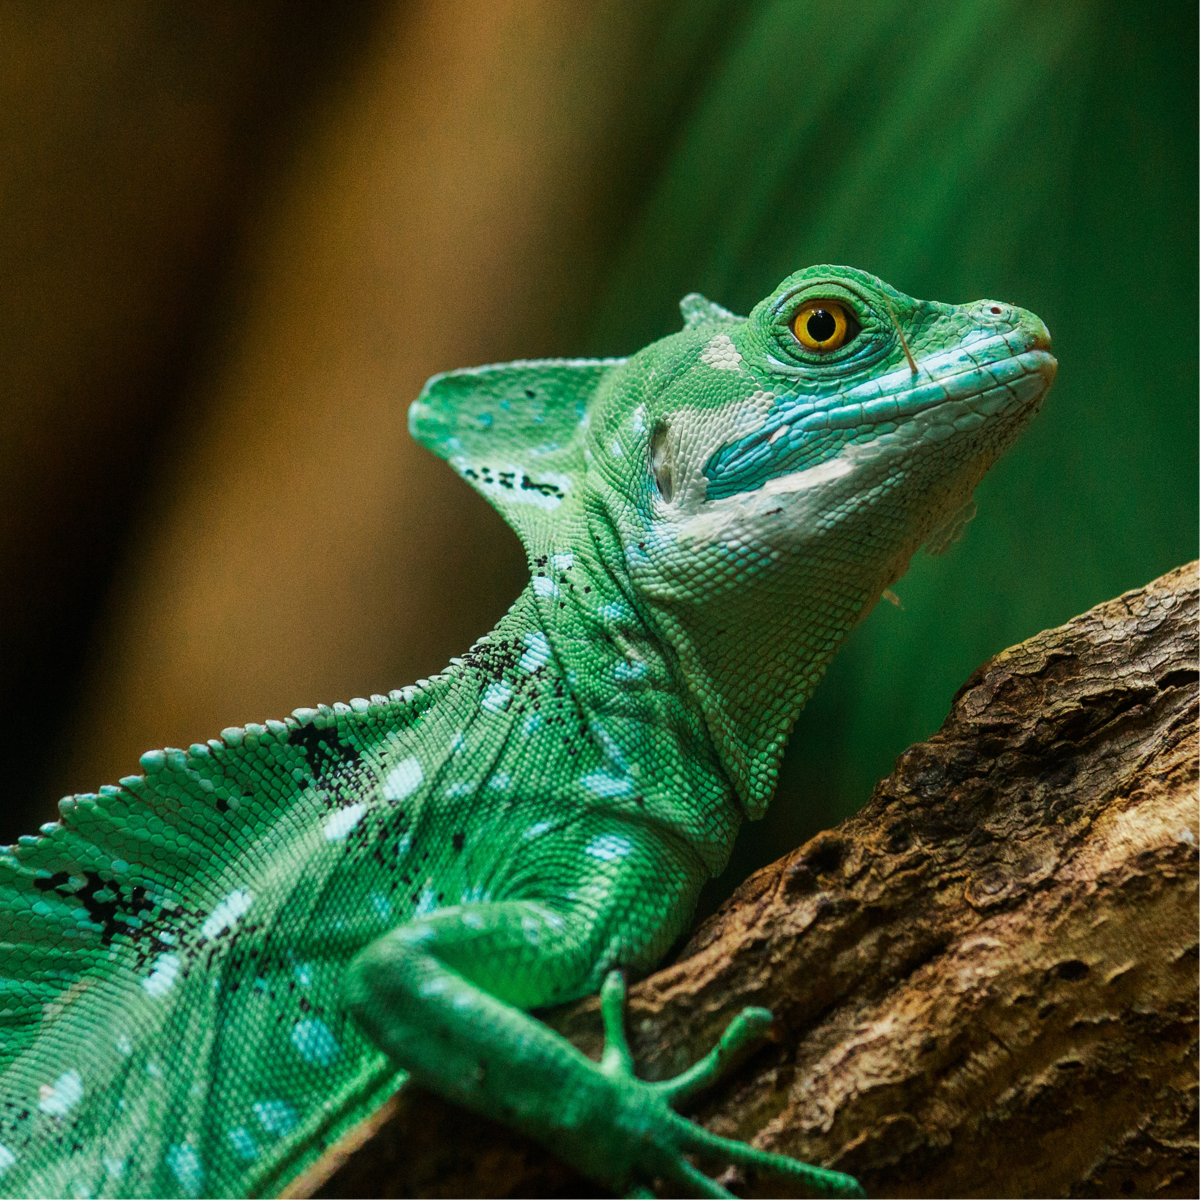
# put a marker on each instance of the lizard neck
(579, 691)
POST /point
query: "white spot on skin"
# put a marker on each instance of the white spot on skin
(496, 695)
(303, 973)
(563, 562)
(162, 978)
(637, 420)
(7, 1158)
(472, 920)
(531, 724)
(615, 449)
(532, 929)
(537, 830)
(432, 987)
(342, 821)
(612, 752)
(382, 906)
(124, 1046)
(314, 1043)
(626, 671)
(154, 1068)
(500, 782)
(600, 784)
(185, 1166)
(59, 1098)
(114, 1168)
(457, 742)
(751, 415)
(403, 779)
(228, 913)
(427, 903)
(722, 519)
(277, 1117)
(243, 1143)
(608, 846)
(415, 935)
(721, 354)
(544, 587)
(537, 653)
(462, 788)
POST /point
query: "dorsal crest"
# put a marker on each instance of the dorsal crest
(700, 310)
(514, 431)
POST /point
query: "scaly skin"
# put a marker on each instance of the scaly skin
(212, 970)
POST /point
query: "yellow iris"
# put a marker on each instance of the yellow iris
(821, 325)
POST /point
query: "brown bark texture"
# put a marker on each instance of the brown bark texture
(985, 983)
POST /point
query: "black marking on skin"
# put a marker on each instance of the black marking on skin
(546, 489)
(324, 751)
(459, 840)
(495, 659)
(123, 901)
(506, 479)
(539, 690)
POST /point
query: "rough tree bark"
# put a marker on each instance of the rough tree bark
(985, 983)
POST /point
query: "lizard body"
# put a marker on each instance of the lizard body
(212, 970)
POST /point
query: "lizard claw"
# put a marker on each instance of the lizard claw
(684, 1136)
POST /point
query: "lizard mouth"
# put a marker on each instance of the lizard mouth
(987, 375)
(989, 388)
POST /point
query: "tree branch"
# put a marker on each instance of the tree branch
(985, 983)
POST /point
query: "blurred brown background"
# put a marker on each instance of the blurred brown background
(236, 239)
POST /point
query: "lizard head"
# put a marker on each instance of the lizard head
(759, 481)
(770, 476)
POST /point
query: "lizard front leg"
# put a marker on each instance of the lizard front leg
(443, 996)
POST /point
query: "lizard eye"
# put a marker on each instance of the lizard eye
(824, 325)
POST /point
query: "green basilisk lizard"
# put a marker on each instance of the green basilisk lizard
(212, 970)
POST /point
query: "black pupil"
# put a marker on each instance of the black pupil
(821, 325)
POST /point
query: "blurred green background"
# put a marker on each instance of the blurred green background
(237, 243)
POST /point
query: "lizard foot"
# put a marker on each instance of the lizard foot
(668, 1137)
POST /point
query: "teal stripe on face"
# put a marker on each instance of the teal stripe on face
(987, 373)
